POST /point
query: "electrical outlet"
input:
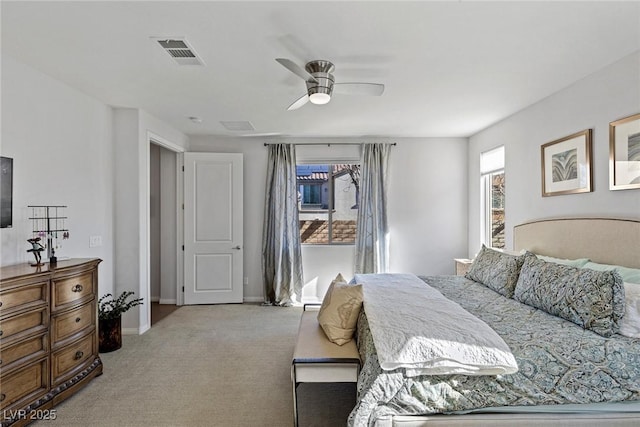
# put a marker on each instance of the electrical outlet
(246, 280)
(95, 241)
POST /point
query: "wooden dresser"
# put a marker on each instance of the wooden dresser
(48, 336)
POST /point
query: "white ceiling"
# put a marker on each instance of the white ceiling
(450, 68)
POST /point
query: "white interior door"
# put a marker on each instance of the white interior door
(213, 255)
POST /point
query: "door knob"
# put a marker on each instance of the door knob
(237, 247)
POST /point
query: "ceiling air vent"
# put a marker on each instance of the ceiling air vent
(180, 50)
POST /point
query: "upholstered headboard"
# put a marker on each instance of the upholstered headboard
(603, 240)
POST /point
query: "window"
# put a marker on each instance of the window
(493, 192)
(328, 202)
(311, 195)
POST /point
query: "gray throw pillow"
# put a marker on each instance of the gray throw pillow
(589, 298)
(496, 270)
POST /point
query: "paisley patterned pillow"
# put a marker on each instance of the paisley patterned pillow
(339, 312)
(591, 299)
(496, 270)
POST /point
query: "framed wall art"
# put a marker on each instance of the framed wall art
(566, 165)
(6, 192)
(624, 153)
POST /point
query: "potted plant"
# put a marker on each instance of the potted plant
(110, 319)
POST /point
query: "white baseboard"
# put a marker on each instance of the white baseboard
(168, 301)
(130, 331)
(154, 299)
(253, 299)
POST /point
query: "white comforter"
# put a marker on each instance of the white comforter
(416, 328)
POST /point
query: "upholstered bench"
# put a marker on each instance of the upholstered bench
(318, 360)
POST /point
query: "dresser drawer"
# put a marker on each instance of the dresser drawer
(14, 327)
(70, 290)
(24, 296)
(65, 325)
(23, 351)
(25, 383)
(68, 360)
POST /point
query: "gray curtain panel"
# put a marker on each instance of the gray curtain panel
(281, 249)
(372, 241)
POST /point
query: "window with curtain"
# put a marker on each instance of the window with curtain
(328, 202)
(493, 197)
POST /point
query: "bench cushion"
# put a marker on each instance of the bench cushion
(313, 346)
(318, 360)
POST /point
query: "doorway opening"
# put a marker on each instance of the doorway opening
(162, 232)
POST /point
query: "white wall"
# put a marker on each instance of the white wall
(427, 206)
(593, 102)
(60, 142)
(71, 149)
(133, 131)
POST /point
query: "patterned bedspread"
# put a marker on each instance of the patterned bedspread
(559, 363)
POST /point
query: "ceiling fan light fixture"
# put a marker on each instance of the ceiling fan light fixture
(319, 98)
(320, 82)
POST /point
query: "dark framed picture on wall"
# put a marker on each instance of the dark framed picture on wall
(624, 153)
(566, 165)
(6, 192)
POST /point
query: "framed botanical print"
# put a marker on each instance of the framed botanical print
(624, 153)
(566, 165)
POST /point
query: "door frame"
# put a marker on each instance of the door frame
(180, 230)
(153, 138)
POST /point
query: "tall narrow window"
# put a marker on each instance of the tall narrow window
(328, 202)
(493, 187)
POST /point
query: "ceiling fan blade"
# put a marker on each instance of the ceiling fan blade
(299, 102)
(374, 89)
(296, 69)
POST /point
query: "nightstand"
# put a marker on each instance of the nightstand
(462, 266)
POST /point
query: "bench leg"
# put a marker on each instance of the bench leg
(295, 395)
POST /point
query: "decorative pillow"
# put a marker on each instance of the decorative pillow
(496, 270)
(629, 275)
(591, 299)
(338, 314)
(580, 262)
(630, 323)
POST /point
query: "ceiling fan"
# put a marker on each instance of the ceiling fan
(321, 85)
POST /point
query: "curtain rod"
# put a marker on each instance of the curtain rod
(328, 144)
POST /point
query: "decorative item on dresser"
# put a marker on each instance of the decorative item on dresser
(48, 223)
(48, 336)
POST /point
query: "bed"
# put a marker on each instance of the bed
(567, 375)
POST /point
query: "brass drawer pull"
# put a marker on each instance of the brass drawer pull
(1, 333)
(0, 361)
(77, 288)
(78, 319)
(2, 397)
(79, 355)
(0, 303)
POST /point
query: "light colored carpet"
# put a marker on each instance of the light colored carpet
(223, 365)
